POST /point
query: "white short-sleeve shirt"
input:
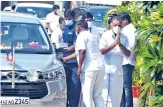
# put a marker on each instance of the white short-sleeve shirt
(93, 58)
(53, 20)
(114, 58)
(95, 31)
(129, 32)
(57, 38)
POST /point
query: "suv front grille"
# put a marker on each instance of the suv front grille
(31, 90)
(19, 75)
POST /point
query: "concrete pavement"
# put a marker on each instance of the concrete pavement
(136, 102)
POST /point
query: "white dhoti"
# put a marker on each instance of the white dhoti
(113, 88)
(92, 85)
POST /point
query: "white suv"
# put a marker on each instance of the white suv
(38, 9)
(38, 75)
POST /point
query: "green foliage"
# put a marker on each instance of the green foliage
(152, 70)
(152, 61)
(151, 30)
(147, 6)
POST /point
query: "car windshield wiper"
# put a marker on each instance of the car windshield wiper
(41, 53)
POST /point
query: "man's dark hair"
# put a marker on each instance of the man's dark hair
(83, 24)
(70, 13)
(125, 15)
(61, 19)
(13, 7)
(55, 7)
(88, 15)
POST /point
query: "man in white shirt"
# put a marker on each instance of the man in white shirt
(52, 19)
(90, 66)
(128, 62)
(56, 37)
(113, 46)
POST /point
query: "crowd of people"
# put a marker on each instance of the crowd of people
(98, 68)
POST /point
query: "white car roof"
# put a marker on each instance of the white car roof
(34, 5)
(18, 17)
(8, 8)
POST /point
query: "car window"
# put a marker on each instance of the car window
(24, 37)
(40, 12)
(98, 15)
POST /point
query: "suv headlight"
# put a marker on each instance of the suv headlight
(32, 75)
(54, 74)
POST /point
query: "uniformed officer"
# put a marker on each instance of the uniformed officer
(73, 81)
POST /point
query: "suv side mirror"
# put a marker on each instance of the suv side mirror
(59, 53)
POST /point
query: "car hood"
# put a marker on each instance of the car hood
(27, 62)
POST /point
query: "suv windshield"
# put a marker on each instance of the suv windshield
(98, 16)
(40, 12)
(26, 38)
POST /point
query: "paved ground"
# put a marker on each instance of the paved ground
(136, 102)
